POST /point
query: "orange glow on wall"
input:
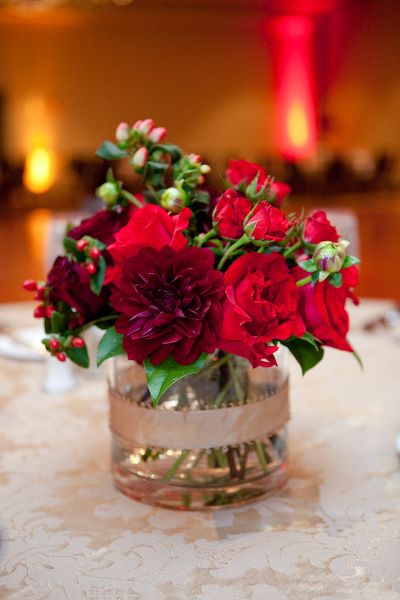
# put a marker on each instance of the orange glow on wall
(295, 118)
(39, 170)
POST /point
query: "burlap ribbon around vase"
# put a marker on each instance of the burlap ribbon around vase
(139, 427)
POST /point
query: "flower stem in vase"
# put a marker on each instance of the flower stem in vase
(177, 464)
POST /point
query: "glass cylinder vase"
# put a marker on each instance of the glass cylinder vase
(217, 438)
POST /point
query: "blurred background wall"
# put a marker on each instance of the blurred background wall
(208, 72)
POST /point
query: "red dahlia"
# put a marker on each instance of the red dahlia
(170, 304)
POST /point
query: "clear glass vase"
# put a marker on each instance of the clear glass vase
(216, 439)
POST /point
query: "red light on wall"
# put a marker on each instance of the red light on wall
(296, 128)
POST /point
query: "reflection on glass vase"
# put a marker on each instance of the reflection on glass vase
(217, 438)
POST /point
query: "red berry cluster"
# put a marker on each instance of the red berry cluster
(39, 287)
(92, 253)
(56, 346)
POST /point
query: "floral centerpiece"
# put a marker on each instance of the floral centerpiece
(196, 291)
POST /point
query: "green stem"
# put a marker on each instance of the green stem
(293, 249)
(236, 384)
(220, 397)
(304, 281)
(261, 455)
(217, 363)
(240, 242)
(177, 464)
(132, 198)
(203, 239)
(99, 320)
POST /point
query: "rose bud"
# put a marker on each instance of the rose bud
(279, 191)
(172, 200)
(205, 169)
(330, 256)
(140, 157)
(30, 285)
(267, 223)
(122, 132)
(195, 158)
(108, 192)
(157, 134)
(145, 126)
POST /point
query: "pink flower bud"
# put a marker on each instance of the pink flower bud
(145, 126)
(136, 124)
(157, 134)
(122, 132)
(140, 157)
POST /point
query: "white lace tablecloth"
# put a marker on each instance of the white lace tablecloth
(331, 534)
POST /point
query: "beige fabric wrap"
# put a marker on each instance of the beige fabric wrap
(139, 427)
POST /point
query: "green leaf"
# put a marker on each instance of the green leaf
(174, 151)
(58, 322)
(79, 356)
(314, 277)
(358, 359)
(69, 245)
(110, 151)
(157, 167)
(161, 377)
(110, 176)
(251, 189)
(96, 280)
(47, 325)
(336, 280)
(110, 345)
(309, 266)
(350, 261)
(307, 354)
(311, 339)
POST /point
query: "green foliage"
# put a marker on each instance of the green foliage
(78, 355)
(110, 151)
(96, 280)
(306, 350)
(174, 151)
(110, 345)
(309, 266)
(161, 377)
(350, 261)
(336, 280)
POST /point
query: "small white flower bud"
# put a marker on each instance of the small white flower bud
(108, 192)
(122, 132)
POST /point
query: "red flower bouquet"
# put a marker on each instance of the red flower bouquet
(184, 283)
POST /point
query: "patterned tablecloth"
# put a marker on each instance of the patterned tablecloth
(331, 534)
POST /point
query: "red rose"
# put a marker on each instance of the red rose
(279, 191)
(261, 305)
(170, 304)
(103, 225)
(229, 214)
(319, 229)
(267, 223)
(322, 308)
(242, 171)
(150, 226)
(69, 282)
